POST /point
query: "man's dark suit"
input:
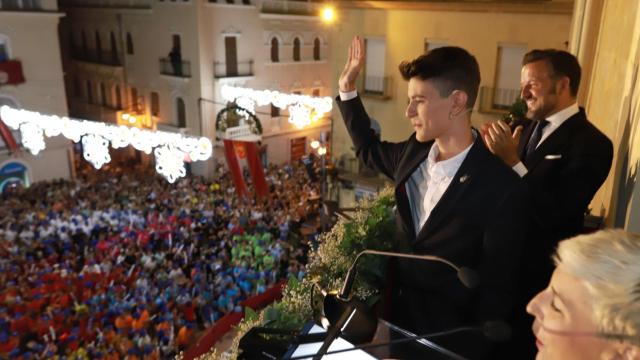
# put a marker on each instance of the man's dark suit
(564, 172)
(479, 223)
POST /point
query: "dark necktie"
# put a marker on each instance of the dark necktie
(535, 137)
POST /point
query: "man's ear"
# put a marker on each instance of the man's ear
(563, 84)
(459, 102)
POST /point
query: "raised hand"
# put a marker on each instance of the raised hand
(355, 63)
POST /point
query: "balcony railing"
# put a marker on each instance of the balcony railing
(127, 4)
(178, 69)
(108, 58)
(11, 72)
(497, 99)
(377, 86)
(290, 7)
(225, 70)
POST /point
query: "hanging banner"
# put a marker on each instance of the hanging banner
(234, 168)
(255, 169)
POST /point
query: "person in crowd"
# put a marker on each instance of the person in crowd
(591, 308)
(89, 274)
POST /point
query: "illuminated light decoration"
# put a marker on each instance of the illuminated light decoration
(303, 110)
(32, 137)
(95, 150)
(96, 137)
(170, 162)
(299, 116)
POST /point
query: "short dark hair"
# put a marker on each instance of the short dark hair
(560, 62)
(450, 68)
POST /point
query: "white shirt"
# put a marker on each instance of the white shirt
(429, 181)
(555, 121)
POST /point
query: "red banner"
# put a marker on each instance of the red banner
(255, 169)
(234, 168)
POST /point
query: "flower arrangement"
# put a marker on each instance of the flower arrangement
(372, 227)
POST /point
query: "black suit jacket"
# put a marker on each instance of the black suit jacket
(564, 173)
(479, 223)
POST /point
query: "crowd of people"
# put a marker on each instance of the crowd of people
(125, 265)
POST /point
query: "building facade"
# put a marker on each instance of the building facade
(165, 61)
(31, 77)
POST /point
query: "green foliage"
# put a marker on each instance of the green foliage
(517, 111)
(372, 227)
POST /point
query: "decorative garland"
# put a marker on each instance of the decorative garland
(249, 118)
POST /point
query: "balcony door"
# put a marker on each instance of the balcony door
(231, 55)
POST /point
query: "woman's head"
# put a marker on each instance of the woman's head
(591, 308)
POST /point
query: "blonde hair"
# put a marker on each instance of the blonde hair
(609, 263)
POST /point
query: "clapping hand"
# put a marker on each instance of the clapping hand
(498, 138)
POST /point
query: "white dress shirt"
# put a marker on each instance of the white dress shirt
(555, 121)
(429, 181)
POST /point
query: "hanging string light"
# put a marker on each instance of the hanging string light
(97, 136)
(303, 109)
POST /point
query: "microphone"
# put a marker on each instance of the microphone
(496, 331)
(468, 277)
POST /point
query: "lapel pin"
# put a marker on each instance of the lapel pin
(553, 157)
(464, 178)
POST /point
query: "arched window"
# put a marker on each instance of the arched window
(129, 44)
(85, 48)
(155, 104)
(103, 95)
(89, 92)
(296, 49)
(316, 49)
(118, 103)
(275, 52)
(98, 46)
(77, 87)
(181, 113)
(114, 49)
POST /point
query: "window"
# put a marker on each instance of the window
(103, 95)
(275, 111)
(77, 88)
(114, 49)
(316, 49)
(129, 44)
(85, 48)
(98, 47)
(155, 104)
(181, 113)
(134, 99)
(118, 97)
(72, 44)
(296, 49)
(431, 44)
(374, 65)
(89, 92)
(507, 85)
(274, 50)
